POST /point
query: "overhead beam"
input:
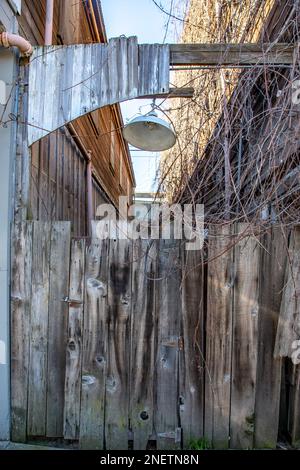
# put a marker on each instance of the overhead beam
(174, 93)
(66, 82)
(231, 54)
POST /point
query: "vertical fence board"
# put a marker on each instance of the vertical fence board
(143, 85)
(113, 49)
(191, 356)
(74, 341)
(117, 384)
(169, 308)
(39, 329)
(58, 310)
(163, 68)
(245, 342)
(20, 327)
(142, 341)
(272, 269)
(133, 76)
(94, 348)
(123, 69)
(295, 408)
(104, 91)
(135, 357)
(218, 336)
(288, 326)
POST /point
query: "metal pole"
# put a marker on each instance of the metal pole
(49, 22)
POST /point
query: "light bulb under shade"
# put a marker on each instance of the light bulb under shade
(149, 133)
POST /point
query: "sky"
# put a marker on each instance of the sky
(143, 19)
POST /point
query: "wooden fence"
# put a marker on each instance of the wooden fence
(119, 342)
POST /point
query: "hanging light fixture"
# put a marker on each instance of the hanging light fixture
(149, 132)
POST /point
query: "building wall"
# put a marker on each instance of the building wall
(55, 192)
(7, 139)
(207, 21)
(58, 181)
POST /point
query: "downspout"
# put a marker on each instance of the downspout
(49, 22)
(89, 188)
(10, 40)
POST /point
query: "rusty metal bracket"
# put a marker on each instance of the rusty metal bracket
(176, 435)
(173, 342)
(71, 302)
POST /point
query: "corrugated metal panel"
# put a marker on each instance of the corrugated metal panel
(66, 82)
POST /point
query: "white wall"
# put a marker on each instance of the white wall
(7, 149)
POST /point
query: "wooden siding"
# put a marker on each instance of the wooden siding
(73, 24)
(67, 82)
(138, 356)
(58, 181)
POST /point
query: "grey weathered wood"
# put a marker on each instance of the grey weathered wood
(268, 384)
(289, 320)
(20, 327)
(113, 78)
(143, 66)
(218, 336)
(230, 54)
(153, 71)
(123, 69)
(37, 395)
(163, 68)
(117, 383)
(295, 407)
(57, 329)
(133, 74)
(174, 93)
(74, 341)
(191, 355)
(94, 363)
(246, 312)
(23, 153)
(66, 82)
(104, 92)
(168, 334)
(142, 341)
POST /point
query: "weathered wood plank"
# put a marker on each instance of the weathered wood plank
(245, 341)
(191, 355)
(81, 78)
(288, 326)
(168, 332)
(142, 341)
(173, 93)
(94, 363)
(104, 92)
(74, 341)
(268, 383)
(117, 384)
(230, 54)
(20, 327)
(144, 51)
(23, 153)
(133, 72)
(123, 69)
(163, 69)
(57, 329)
(113, 77)
(37, 396)
(49, 81)
(218, 336)
(295, 407)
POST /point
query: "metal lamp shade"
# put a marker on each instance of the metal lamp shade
(149, 133)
